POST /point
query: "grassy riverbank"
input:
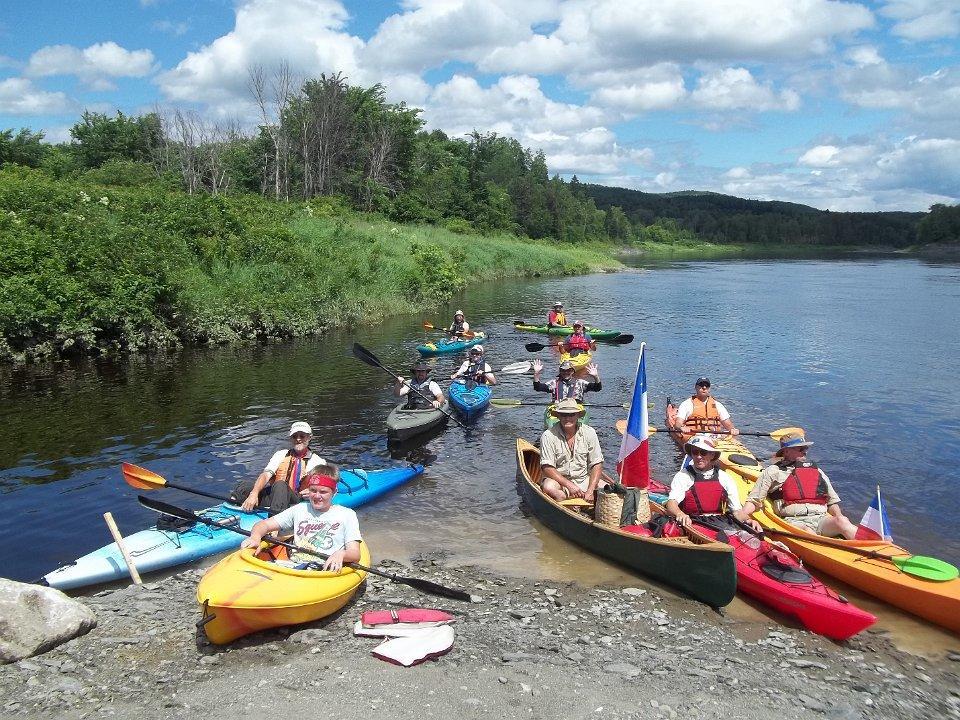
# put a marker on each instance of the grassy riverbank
(90, 268)
(702, 250)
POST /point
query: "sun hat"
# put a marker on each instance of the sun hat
(700, 442)
(421, 366)
(558, 304)
(459, 312)
(318, 480)
(578, 323)
(300, 427)
(792, 440)
(477, 349)
(566, 365)
(702, 381)
(568, 407)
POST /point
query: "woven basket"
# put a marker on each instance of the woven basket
(643, 507)
(608, 508)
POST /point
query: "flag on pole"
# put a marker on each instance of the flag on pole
(874, 525)
(633, 463)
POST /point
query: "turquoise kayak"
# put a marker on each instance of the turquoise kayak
(163, 547)
(445, 346)
(469, 398)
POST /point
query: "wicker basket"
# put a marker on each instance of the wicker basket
(608, 508)
(643, 507)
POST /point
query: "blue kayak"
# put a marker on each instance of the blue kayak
(469, 398)
(449, 346)
(158, 548)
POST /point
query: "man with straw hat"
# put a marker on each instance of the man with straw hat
(570, 455)
(801, 492)
(420, 381)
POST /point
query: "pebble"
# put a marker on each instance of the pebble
(622, 668)
(634, 591)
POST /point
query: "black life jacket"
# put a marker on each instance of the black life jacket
(456, 327)
(414, 400)
(475, 371)
(705, 497)
(804, 484)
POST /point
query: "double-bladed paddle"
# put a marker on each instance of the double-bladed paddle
(621, 426)
(517, 368)
(419, 584)
(618, 340)
(143, 479)
(364, 355)
(468, 334)
(516, 402)
(921, 566)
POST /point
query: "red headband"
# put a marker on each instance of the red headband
(319, 480)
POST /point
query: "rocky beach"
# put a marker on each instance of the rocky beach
(524, 648)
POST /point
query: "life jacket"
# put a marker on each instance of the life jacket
(456, 327)
(475, 371)
(567, 389)
(292, 470)
(704, 417)
(804, 484)
(414, 399)
(705, 497)
(556, 318)
(578, 342)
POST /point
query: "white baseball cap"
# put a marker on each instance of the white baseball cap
(300, 427)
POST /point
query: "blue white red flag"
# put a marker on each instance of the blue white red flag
(874, 525)
(633, 463)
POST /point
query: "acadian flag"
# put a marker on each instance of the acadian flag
(633, 463)
(874, 525)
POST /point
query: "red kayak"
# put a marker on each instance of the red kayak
(776, 578)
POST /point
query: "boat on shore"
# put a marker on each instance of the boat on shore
(701, 568)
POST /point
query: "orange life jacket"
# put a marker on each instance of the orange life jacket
(556, 318)
(704, 417)
(289, 473)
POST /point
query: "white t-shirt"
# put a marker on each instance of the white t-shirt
(683, 481)
(324, 532)
(466, 364)
(686, 407)
(312, 462)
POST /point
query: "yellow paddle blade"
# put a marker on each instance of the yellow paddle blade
(575, 502)
(506, 402)
(777, 434)
(141, 478)
(621, 426)
(428, 326)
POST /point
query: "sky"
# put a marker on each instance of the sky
(849, 106)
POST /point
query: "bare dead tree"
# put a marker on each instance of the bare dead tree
(380, 148)
(273, 96)
(185, 128)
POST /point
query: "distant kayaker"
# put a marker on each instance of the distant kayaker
(802, 493)
(476, 368)
(316, 525)
(570, 455)
(458, 327)
(702, 488)
(420, 381)
(701, 413)
(577, 343)
(565, 385)
(278, 486)
(556, 317)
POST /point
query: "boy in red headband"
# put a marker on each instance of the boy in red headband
(318, 524)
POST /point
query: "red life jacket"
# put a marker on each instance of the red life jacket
(578, 342)
(705, 497)
(804, 484)
(704, 417)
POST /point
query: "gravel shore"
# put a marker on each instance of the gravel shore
(526, 649)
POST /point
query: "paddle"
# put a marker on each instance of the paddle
(515, 402)
(468, 334)
(621, 426)
(517, 368)
(417, 583)
(364, 355)
(921, 566)
(143, 479)
(618, 340)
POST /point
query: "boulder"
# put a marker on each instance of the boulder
(34, 619)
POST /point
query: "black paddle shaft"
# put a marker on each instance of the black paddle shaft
(425, 585)
(364, 355)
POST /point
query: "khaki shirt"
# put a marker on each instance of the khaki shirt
(575, 465)
(772, 479)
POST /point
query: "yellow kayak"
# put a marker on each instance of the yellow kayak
(734, 455)
(245, 593)
(579, 361)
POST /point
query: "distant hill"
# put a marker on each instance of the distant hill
(727, 219)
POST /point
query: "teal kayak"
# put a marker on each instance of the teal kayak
(447, 346)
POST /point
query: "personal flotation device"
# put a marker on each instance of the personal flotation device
(416, 401)
(457, 328)
(292, 470)
(556, 318)
(566, 389)
(705, 496)
(704, 417)
(578, 342)
(476, 371)
(804, 484)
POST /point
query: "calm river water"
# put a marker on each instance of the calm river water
(861, 353)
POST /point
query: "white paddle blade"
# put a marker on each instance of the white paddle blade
(517, 368)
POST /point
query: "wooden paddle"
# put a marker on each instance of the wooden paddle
(417, 583)
(921, 566)
(143, 479)
(621, 426)
(468, 334)
(364, 355)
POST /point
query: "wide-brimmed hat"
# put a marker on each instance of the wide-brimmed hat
(578, 323)
(701, 442)
(558, 304)
(421, 366)
(792, 440)
(566, 365)
(300, 426)
(568, 407)
(477, 349)
(459, 312)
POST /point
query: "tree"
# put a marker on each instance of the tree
(98, 138)
(24, 148)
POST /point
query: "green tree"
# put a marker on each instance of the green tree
(98, 138)
(24, 148)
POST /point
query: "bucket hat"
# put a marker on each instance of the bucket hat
(792, 440)
(568, 407)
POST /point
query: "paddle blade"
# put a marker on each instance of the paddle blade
(517, 368)
(433, 588)
(167, 509)
(621, 426)
(534, 346)
(928, 568)
(779, 433)
(428, 326)
(506, 402)
(364, 355)
(622, 339)
(141, 478)
(520, 322)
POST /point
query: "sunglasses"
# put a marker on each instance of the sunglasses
(698, 451)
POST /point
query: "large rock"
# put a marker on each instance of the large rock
(34, 619)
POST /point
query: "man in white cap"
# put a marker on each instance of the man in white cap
(570, 455)
(459, 326)
(701, 487)
(278, 486)
(701, 413)
(556, 317)
(475, 368)
(566, 384)
(802, 493)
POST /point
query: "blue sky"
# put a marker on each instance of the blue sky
(839, 105)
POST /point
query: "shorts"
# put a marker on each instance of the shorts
(810, 523)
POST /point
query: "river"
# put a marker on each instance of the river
(860, 352)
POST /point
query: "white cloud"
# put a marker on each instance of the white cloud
(652, 88)
(171, 28)
(884, 86)
(19, 96)
(923, 19)
(736, 88)
(862, 55)
(824, 156)
(94, 65)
